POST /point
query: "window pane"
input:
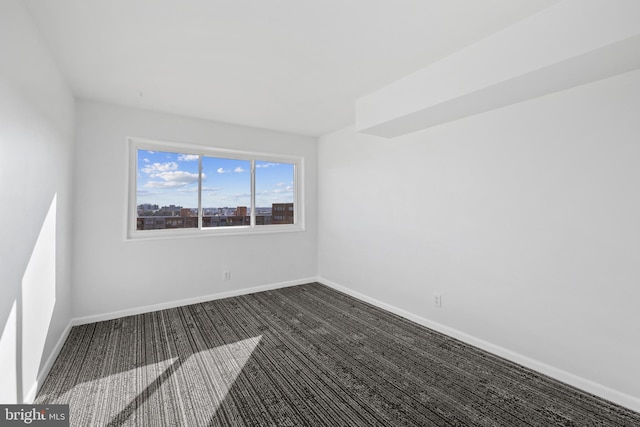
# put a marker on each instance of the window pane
(226, 192)
(274, 193)
(167, 190)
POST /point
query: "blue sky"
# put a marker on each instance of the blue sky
(166, 178)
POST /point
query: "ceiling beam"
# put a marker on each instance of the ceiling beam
(572, 43)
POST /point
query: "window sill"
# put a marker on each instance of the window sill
(211, 232)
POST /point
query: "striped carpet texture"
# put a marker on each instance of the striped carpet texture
(300, 356)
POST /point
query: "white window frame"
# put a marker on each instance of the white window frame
(135, 144)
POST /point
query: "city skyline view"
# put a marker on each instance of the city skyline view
(168, 178)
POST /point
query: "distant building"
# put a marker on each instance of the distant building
(225, 221)
(282, 213)
(171, 210)
(263, 219)
(146, 209)
(172, 216)
(163, 222)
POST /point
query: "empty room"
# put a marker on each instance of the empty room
(321, 213)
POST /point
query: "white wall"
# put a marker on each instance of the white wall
(112, 274)
(36, 146)
(525, 219)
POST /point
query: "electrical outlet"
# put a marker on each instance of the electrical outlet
(437, 300)
(227, 275)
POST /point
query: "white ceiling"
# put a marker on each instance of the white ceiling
(289, 65)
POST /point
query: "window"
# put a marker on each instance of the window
(177, 189)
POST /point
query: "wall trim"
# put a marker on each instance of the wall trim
(188, 301)
(42, 375)
(584, 384)
(576, 381)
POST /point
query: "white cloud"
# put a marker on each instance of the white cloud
(211, 189)
(143, 193)
(146, 160)
(159, 184)
(266, 165)
(220, 170)
(195, 189)
(172, 179)
(178, 176)
(160, 167)
(287, 189)
(238, 170)
(188, 157)
(235, 197)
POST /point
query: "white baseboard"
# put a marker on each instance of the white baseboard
(589, 386)
(179, 303)
(42, 375)
(584, 384)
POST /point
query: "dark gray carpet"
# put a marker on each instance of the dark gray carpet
(300, 356)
